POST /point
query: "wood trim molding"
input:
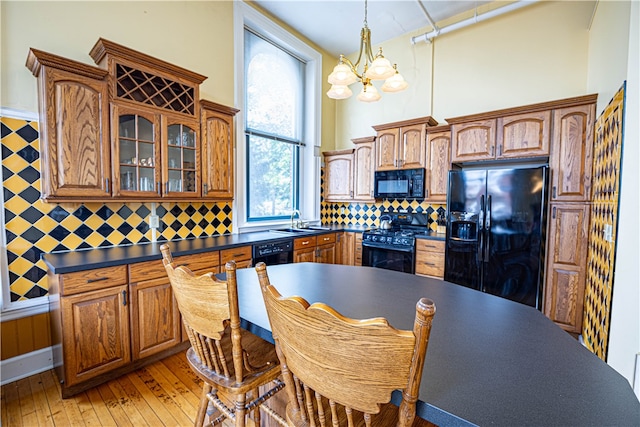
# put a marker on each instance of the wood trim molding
(105, 47)
(428, 120)
(363, 140)
(337, 152)
(441, 128)
(213, 106)
(561, 103)
(36, 59)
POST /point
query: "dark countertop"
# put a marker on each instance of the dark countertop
(68, 262)
(490, 361)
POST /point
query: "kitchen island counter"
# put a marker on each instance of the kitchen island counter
(490, 361)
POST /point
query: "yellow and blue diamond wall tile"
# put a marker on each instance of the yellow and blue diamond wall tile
(34, 227)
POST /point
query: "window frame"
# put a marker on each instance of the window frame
(309, 162)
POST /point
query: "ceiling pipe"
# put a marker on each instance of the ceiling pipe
(429, 18)
(427, 37)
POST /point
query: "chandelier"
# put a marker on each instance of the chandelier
(374, 68)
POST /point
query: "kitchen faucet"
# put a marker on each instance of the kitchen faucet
(293, 214)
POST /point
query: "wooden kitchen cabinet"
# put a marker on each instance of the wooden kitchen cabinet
(347, 243)
(401, 145)
(320, 248)
(74, 116)
(89, 325)
(567, 245)
(358, 249)
(503, 136)
(364, 164)
(338, 166)
(473, 141)
(430, 258)
(241, 255)
(524, 135)
(438, 163)
(572, 153)
(216, 128)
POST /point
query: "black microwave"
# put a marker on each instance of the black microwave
(399, 184)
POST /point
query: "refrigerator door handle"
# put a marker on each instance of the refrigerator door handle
(481, 214)
(487, 227)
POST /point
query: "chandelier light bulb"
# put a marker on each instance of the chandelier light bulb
(339, 92)
(395, 83)
(342, 75)
(369, 93)
(381, 68)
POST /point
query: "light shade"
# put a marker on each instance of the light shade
(339, 92)
(395, 83)
(369, 93)
(380, 69)
(342, 75)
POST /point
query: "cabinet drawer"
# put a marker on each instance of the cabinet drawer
(325, 239)
(237, 254)
(92, 280)
(430, 263)
(304, 242)
(153, 269)
(430, 245)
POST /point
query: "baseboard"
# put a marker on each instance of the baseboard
(25, 365)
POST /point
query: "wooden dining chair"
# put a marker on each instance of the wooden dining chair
(342, 371)
(232, 362)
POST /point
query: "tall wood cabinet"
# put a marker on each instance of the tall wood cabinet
(364, 157)
(401, 145)
(74, 113)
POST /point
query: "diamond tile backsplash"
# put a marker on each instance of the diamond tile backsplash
(34, 227)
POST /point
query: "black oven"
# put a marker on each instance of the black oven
(398, 258)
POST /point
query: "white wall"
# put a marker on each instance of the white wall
(613, 57)
(536, 54)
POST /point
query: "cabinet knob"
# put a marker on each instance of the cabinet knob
(554, 192)
(206, 189)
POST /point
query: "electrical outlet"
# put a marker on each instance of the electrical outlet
(154, 221)
(342, 210)
(608, 233)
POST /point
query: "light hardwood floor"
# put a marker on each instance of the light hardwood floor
(165, 393)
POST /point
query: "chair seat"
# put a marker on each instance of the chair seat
(261, 355)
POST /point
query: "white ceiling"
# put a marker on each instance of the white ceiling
(335, 25)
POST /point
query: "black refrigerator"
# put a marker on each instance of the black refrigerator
(496, 231)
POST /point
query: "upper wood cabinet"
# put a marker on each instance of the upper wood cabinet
(572, 154)
(524, 135)
(401, 145)
(74, 113)
(438, 163)
(216, 127)
(510, 137)
(364, 157)
(338, 166)
(473, 141)
(130, 129)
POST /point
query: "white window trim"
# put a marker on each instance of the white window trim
(309, 154)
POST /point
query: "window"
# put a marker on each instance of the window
(274, 100)
(278, 92)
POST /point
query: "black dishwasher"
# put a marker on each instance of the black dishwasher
(273, 252)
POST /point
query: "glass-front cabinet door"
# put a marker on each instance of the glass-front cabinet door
(181, 159)
(137, 148)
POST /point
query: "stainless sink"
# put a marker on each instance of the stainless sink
(318, 228)
(292, 230)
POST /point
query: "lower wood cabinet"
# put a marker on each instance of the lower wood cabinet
(430, 258)
(112, 320)
(320, 248)
(567, 245)
(241, 255)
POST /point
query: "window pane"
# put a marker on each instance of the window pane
(271, 180)
(273, 88)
